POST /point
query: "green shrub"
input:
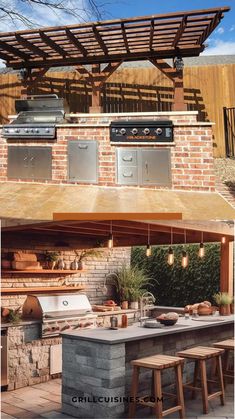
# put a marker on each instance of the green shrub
(177, 286)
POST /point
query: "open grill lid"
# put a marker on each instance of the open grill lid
(40, 103)
(56, 305)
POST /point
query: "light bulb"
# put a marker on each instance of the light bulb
(201, 252)
(170, 259)
(110, 241)
(223, 240)
(148, 250)
(184, 262)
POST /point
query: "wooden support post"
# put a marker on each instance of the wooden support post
(226, 267)
(179, 104)
(96, 88)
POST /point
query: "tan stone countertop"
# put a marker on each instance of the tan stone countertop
(137, 332)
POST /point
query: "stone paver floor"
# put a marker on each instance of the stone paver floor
(44, 401)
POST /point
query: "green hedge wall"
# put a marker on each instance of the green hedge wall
(179, 286)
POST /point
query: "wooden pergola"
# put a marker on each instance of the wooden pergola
(104, 46)
(65, 235)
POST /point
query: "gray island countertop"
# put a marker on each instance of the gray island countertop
(136, 332)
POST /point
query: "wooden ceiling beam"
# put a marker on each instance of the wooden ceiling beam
(125, 37)
(210, 28)
(31, 47)
(99, 39)
(72, 38)
(53, 45)
(180, 32)
(14, 51)
(151, 35)
(164, 67)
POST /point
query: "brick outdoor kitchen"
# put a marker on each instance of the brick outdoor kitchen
(190, 153)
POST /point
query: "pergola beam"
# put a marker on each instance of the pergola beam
(31, 47)
(76, 42)
(53, 45)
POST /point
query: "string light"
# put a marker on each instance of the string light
(171, 257)
(201, 252)
(110, 239)
(184, 261)
(148, 248)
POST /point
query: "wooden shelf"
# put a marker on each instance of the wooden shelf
(43, 271)
(39, 290)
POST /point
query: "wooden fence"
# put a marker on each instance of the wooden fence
(207, 89)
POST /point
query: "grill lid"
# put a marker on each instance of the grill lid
(38, 306)
(40, 103)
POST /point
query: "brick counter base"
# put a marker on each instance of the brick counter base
(191, 153)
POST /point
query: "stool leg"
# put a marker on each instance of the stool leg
(225, 365)
(221, 379)
(134, 390)
(158, 393)
(179, 390)
(204, 386)
(196, 371)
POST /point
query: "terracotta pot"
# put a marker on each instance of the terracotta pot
(224, 310)
(134, 305)
(81, 265)
(124, 305)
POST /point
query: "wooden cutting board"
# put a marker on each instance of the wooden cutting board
(103, 308)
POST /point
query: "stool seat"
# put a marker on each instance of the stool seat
(225, 344)
(158, 362)
(200, 352)
(200, 355)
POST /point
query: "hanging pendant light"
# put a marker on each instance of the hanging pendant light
(201, 252)
(110, 239)
(171, 257)
(148, 248)
(184, 261)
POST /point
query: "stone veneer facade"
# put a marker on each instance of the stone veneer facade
(104, 370)
(191, 153)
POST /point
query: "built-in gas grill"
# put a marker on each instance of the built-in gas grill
(37, 117)
(141, 131)
(59, 312)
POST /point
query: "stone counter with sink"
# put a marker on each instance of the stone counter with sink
(96, 363)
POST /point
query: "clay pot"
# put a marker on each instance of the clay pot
(225, 310)
(124, 305)
(81, 265)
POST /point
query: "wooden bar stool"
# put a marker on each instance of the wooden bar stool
(157, 363)
(228, 346)
(200, 355)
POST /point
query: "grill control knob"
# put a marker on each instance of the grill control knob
(123, 131)
(36, 130)
(32, 130)
(158, 131)
(26, 130)
(17, 130)
(47, 130)
(6, 130)
(146, 131)
(134, 131)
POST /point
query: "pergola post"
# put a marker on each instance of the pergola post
(179, 103)
(226, 267)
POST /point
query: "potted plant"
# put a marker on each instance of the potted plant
(130, 285)
(84, 254)
(223, 300)
(51, 259)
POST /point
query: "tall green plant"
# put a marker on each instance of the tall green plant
(131, 282)
(177, 286)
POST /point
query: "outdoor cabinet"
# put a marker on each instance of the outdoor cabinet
(82, 161)
(29, 162)
(143, 166)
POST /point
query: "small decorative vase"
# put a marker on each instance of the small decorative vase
(134, 305)
(61, 264)
(80, 265)
(74, 265)
(224, 310)
(124, 305)
(53, 263)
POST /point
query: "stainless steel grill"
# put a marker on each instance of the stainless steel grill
(59, 312)
(37, 117)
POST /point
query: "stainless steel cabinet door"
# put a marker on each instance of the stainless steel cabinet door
(18, 162)
(29, 162)
(40, 163)
(83, 161)
(127, 156)
(155, 167)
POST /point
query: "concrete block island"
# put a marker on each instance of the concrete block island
(96, 377)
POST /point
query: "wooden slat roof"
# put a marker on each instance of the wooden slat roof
(140, 38)
(125, 232)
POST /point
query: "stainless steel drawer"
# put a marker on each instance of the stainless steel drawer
(155, 167)
(127, 175)
(127, 156)
(83, 161)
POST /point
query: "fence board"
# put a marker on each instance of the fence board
(207, 89)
